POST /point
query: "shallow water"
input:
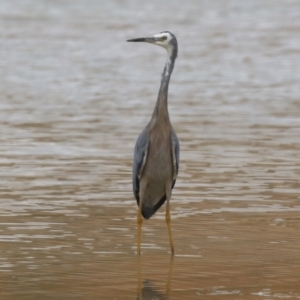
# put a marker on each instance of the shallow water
(75, 96)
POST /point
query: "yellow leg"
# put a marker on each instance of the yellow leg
(168, 220)
(139, 225)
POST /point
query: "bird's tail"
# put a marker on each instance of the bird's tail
(149, 211)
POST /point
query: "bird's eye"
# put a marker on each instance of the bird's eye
(164, 38)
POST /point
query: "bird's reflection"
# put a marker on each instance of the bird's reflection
(150, 292)
(147, 290)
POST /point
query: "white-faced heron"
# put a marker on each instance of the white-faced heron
(156, 154)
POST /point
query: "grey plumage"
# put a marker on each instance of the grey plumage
(140, 158)
(156, 154)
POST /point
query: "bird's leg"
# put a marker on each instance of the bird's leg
(168, 218)
(139, 225)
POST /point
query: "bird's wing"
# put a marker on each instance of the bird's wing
(175, 155)
(139, 160)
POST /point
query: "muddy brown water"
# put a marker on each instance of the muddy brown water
(75, 96)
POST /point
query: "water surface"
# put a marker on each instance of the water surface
(75, 96)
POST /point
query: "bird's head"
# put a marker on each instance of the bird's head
(164, 39)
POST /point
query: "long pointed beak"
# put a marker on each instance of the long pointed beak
(147, 40)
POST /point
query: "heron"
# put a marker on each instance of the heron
(156, 153)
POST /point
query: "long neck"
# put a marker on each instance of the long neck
(160, 112)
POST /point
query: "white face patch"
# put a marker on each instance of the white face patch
(167, 45)
(164, 43)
